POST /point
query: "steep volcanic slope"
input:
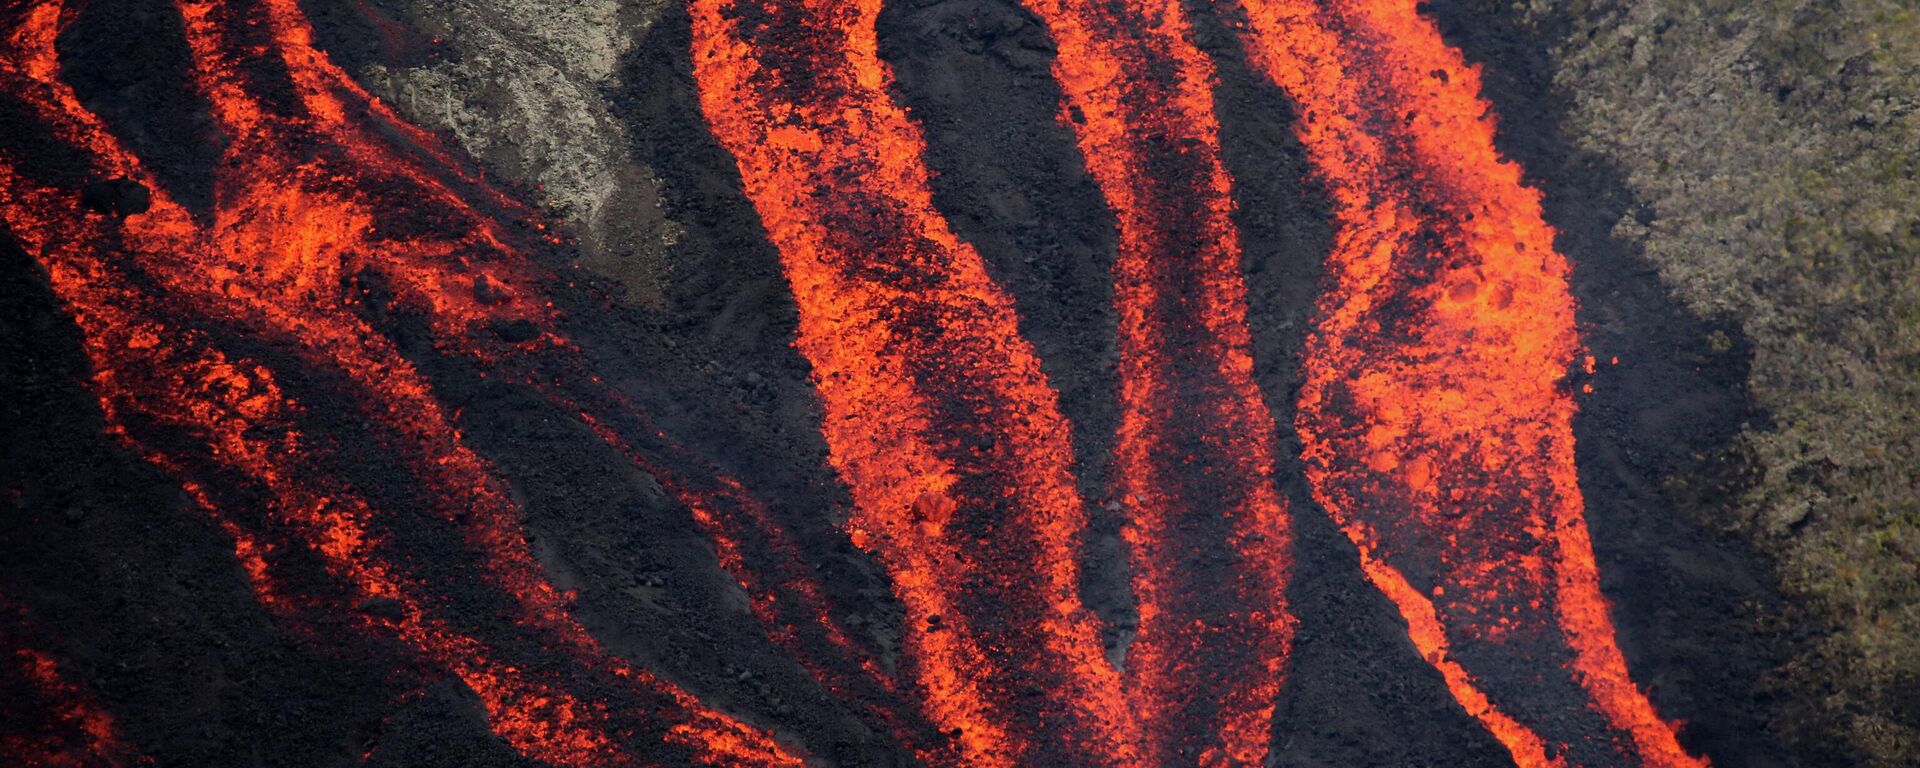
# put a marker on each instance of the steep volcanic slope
(343, 346)
(524, 87)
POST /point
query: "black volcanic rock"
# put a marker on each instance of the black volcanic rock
(383, 608)
(516, 331)
(117, 197)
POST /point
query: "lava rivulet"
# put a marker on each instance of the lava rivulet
(938, 417)
(48, 721)
(1436, 415)
(274, 263)
(782, 591)
(1210, 537)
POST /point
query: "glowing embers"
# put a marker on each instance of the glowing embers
(45, 720)
(202, 332)
(1436, 418)
(1210, 535)
(937, 415)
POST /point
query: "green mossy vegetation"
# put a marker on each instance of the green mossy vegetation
(1778, 145)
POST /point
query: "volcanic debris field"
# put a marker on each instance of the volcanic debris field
(978, 382)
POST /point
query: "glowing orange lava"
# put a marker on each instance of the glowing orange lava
(346, 254)
(1436, 416)
(938, 417)
(291, 231)
(1194, 456)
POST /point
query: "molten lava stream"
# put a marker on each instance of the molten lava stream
(281, 238)
(45, 720)
(1436, 416)
(1210, 534)
(937, 415)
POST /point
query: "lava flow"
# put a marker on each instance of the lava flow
(290, 354)
(1209, 532)
(180, 313)
(937, 414)
(1437, 416)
